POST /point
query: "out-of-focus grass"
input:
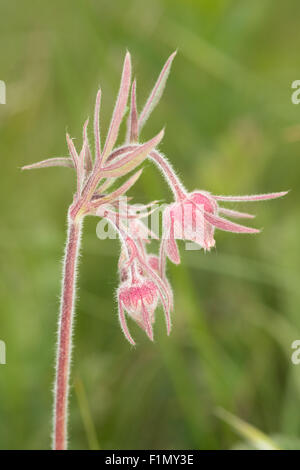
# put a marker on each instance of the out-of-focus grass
(228, 112)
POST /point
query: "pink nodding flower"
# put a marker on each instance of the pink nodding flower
(139, 297)
(141, 288)
(195, 216)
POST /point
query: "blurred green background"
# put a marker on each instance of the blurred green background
(231, 128)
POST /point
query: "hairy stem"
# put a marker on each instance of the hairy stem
(64, 344)
(163, 165)
(172, 179)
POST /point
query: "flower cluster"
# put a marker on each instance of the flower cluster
(192, 216)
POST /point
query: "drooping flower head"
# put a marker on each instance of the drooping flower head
(139, 297)
(141, 287)
(195, 216)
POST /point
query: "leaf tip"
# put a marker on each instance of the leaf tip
(127, 60)
(85, 126)
(173, 55)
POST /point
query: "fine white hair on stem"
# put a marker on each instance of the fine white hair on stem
(168, 173)
(65, 330)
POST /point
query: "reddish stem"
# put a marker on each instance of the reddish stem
(170, 175)
(64, 347)
(163, 164)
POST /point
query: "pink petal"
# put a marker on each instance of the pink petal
(163, 289)
(167, 310)
(119, 108)
(171, 300)
(226, 225)
(170, 306)
(171, 245)
(255, 197)
(162, 259)
(156, 93)
(146, 322)
(123, 323)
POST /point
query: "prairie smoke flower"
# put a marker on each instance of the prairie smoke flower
(192, 216)
(141, 288)
(139, 297)
(195, 216)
